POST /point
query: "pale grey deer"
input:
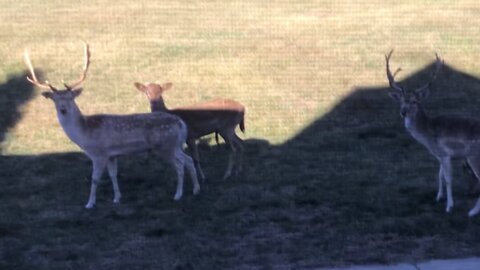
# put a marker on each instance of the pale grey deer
(219, 116)
(104, 137)
(446, 137)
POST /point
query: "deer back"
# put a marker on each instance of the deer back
(130, 133)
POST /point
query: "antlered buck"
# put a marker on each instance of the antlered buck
(446, 137)
(104, 137)
(219, 116)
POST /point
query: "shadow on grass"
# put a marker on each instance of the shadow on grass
(15, 92)
(353, 187)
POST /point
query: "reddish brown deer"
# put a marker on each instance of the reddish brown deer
(220, 116)
(446, 137)
(104, 137)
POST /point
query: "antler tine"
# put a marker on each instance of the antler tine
(438, 65)
(396, 72)
(34, 80)
(85, 68)
(391, 78)
(67, 86)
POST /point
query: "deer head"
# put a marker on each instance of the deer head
(63, 99)
(409, 100)
(154, 92)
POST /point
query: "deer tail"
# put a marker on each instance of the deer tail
(216, 138)
(242, 124)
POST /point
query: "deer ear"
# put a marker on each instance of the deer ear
(395, 95)
(140, 87)
(422, 93)
(167, 86)
(47, 95)
(77, 92)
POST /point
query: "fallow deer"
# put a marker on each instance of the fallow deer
(219, 116)
(104, 137)
(446, 137)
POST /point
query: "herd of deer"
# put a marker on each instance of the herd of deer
(104, 137)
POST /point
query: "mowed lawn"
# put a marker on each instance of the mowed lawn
(332, 178)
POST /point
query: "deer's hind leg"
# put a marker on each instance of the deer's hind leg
(189, 164)
(474, 163)
(112, 172)
(231, 157)
(178, 159)
(446, 165)
(240, 149)
(441, 179)
(171, 157)
(473, 181)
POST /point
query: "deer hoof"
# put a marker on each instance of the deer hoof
(196, 190)
(89, 205)
(473, 212)
(177, 197)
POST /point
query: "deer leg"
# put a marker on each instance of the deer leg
(473, 181)
(239, 145)
(189, 164)
(231, 156)
(98, 167)
(474, 164)
(447, 174)
(178, 164)
(112, 172)
(440, 183)
(196, 159)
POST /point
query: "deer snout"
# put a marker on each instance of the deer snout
(63, 110)
(403, 112)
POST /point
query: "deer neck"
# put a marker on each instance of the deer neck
(158, 106)
(418, 126)
(72, 123)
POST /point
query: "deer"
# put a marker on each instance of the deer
(220, 116)
(105, 137)
(446, 137)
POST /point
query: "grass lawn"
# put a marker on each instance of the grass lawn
(332, 177)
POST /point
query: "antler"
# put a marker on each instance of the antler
(391, 78)
(34, 79)
(85, 69)
(438, 65)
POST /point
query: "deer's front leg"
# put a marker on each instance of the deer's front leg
(112, 172)
(441, 178)
(98, 167)
(446, 166)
